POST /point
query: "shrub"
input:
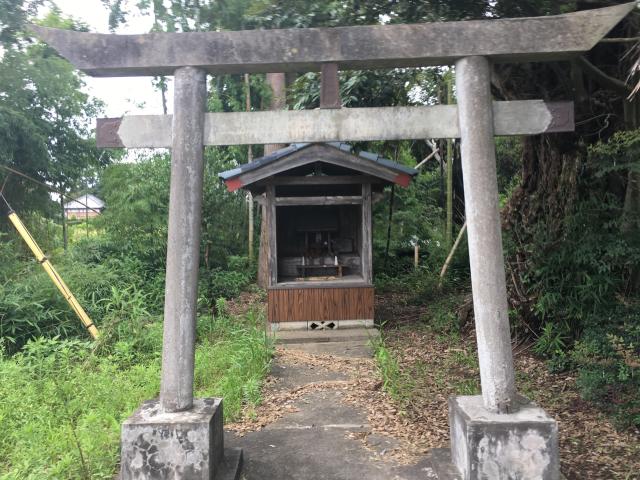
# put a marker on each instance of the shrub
(31, 306)
(220, 283)
(62, 407)
(581, 272)
(63, 400)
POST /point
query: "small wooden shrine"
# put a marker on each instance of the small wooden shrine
(317, 207)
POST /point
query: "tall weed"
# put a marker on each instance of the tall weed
(62, 401)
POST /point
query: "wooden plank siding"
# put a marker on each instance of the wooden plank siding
(320, 304)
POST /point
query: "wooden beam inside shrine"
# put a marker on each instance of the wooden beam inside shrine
(322, 200)
(320, 180)
(525, 117)
(358, 47)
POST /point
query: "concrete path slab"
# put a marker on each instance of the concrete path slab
(321, 336)
(321, 436)
(287, 377)
(323, 410)
(318, 454)
(353, 349)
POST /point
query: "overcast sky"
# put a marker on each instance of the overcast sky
(131, 95)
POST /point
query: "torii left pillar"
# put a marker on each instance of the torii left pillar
(178, 437)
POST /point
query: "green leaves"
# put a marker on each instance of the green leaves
(63, 401)
(45, 118)
(13, 16)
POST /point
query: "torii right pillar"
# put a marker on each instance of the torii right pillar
(498, 435)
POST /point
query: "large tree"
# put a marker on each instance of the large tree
(44, 114)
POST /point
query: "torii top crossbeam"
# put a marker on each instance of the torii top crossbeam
(360, 47)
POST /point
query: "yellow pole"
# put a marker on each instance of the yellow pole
(53, 274)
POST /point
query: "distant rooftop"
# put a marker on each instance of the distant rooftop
(84, 201)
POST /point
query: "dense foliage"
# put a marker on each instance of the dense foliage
(587, 283)
(63, 400)
(44, 114)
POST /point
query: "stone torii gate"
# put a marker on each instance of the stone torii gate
(496, 435)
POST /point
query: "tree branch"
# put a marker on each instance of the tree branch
(620, 40)
(602, 78)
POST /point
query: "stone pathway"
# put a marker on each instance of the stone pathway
(320, 436)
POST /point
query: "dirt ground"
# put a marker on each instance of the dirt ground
(436, 366)
(431, 367)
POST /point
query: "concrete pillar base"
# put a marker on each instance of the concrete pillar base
(487, 445)
(186, 445)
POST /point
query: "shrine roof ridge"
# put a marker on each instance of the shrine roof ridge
(294, 147)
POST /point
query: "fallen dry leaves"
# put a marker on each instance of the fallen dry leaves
(590, 446)
(362, 389)
(433, 367)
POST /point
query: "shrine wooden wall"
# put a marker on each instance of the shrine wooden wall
(320, 304)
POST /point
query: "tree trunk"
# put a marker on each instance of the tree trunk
(449, 225)
(632, 196)
(631, 209)
(278, 83)
(555, 172)
(391, 198)
(247, 86)
(65, 239)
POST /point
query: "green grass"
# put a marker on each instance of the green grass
(447, 365)
(395, 382)
(232, 360)
(389, 369)
(62, 403)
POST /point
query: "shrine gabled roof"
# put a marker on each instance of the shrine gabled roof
(365, 162)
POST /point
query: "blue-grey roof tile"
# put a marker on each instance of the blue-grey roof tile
(294, 147)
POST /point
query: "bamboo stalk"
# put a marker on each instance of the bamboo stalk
(451, 253)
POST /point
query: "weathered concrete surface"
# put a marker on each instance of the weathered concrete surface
(318, 453)
(351, 343)
(312, 442)
(288, 378)
(441, 463)
(322, 336)
(362, 47)
(352, 349)
(183, 244)
(185, 445)
(278, 83)
(323, 410)
(487, 445)
(306, 326)
(521, 117)
(486, 257)
(230, 468)
(330, 86)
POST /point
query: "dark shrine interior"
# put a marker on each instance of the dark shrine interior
(319, 242)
